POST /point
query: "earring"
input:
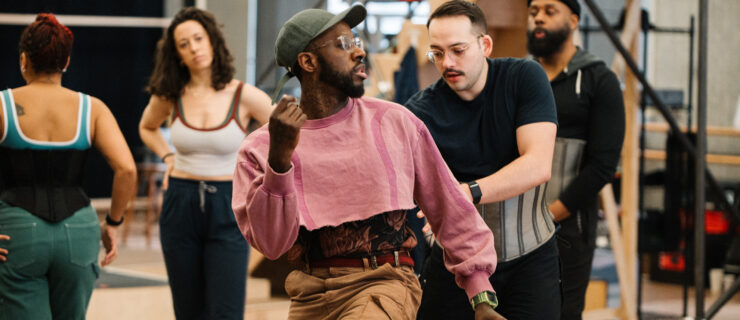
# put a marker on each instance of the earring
(23, 69)
(64, 70)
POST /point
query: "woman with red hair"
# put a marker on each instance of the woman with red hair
(49, 234)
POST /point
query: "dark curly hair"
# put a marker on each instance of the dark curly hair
(169, 76)
(47, 44)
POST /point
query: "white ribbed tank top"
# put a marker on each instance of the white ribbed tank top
(208, 152)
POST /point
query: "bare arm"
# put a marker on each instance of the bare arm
(156, 113)
(255, 104)
(108, 139)
(536, 142)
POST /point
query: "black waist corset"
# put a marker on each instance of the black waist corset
(46, 183)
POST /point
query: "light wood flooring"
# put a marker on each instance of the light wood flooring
(154, 302)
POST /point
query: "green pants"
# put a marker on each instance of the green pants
(51, 268)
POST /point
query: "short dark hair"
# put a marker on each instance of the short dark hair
(169, 76)
(296, 70)
(461, 8)
(47, 44)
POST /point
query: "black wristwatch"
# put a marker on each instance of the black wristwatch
(109, 221)
(486, 297)
(475, 191)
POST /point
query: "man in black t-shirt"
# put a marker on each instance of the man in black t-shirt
(494, 122)
(589, 140)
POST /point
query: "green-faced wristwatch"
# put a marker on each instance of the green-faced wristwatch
(486, 297)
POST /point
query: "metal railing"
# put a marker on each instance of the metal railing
(703, 176)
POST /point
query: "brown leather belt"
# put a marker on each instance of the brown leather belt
(397, 259)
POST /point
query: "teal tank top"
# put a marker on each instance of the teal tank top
(12, 136)
(42, 177)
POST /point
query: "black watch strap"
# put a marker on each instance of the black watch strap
(109, 221)
(475, 191)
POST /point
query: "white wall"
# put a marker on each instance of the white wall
(668, 67)
(232, 14)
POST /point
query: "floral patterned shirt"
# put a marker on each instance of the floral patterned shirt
(382, 233)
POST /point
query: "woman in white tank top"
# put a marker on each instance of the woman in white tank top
(192, 84)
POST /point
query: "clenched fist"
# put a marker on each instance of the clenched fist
(285, 128)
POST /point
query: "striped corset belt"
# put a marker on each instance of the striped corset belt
(519, 224)
(566, 164)
(522, 224)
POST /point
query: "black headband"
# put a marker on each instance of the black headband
(572, 4)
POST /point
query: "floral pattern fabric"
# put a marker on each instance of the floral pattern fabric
(382, 233)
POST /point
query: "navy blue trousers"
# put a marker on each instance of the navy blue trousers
(204, 251)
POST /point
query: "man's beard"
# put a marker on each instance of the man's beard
(343, 81)
(549, 44)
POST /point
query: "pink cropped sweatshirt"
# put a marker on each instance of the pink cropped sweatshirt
(372, 156)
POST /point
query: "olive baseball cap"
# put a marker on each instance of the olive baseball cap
(304, 26)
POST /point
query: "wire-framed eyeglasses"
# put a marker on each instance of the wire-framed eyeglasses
(457, 52)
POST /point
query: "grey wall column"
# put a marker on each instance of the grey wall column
(252, 10)
(234, 16)
(250, 28)
(171, 7)
(271, 16)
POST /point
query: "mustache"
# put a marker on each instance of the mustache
(545, 31)
(448, 71)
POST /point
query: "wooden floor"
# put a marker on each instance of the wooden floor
(137, 258)
(661, 301)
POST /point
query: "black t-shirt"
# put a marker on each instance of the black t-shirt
(478, 137)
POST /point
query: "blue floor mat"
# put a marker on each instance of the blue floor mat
(116, 278)
(604, 268)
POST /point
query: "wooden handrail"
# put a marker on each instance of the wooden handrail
(711, 158)
(711, 130)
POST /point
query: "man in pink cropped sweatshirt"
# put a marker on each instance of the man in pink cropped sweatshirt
(328, 180)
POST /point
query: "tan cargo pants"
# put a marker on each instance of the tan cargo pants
(354, 293)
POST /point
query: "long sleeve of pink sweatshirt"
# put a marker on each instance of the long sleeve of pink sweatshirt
(371, 157)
